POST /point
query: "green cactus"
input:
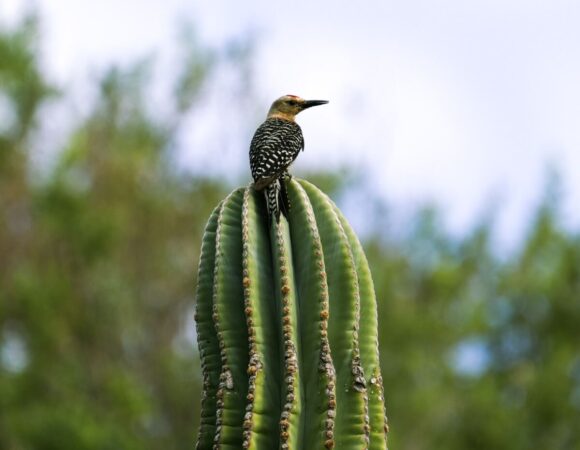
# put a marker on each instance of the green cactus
(287, 329)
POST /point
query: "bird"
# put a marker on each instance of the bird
(275, 145)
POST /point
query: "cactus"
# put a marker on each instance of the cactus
(287, 328)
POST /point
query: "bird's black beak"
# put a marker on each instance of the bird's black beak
(309, 103)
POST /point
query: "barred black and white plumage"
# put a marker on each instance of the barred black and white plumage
(274, 202)
(275, 145)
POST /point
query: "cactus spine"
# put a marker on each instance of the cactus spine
(287, 329)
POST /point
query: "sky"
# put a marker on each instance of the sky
(463, 104)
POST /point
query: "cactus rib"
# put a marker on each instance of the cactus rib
(228, 313)
(263, 402)
(292, 390)
(206, 335)
(369, 344)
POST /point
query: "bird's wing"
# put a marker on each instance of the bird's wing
(274, 147)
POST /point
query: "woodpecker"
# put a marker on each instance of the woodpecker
(275, 145)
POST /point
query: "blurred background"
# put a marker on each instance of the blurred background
(451, 143)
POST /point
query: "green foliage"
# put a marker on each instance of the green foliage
(439, 295)
(23, 86)
(97, 274)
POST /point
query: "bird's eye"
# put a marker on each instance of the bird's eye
(292, 102)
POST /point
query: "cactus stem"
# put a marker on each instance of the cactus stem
(287, 329)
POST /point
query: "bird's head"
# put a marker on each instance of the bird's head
(288, 106)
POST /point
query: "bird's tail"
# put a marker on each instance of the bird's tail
(277, 199)
(272, 194)
(284, 200)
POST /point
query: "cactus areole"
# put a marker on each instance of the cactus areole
(287, 329)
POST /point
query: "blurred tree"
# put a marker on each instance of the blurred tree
(97, 265)
(479, 352)
(97, 274)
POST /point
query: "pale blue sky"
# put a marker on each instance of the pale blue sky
(461, 103)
